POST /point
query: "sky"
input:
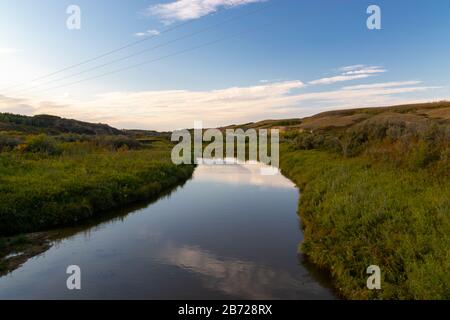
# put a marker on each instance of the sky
(164, 64)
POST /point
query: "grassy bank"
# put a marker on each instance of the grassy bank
(375, 190)
(28, 245)
(357, 213)
(47, 182)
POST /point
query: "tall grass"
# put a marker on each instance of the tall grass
(41, 189)
(357, 212)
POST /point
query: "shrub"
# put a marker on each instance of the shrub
(8, 142)
(42, 144)
(115, 143)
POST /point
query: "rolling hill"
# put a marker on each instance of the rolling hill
(52, 125)
(436, 112)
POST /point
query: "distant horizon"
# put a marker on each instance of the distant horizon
(241, 123)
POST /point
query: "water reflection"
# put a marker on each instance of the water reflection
(239, 174)
(236, 278)
(228, 233)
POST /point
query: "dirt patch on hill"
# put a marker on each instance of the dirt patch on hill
(332, 121)
(441, 113)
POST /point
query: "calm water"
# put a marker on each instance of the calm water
(227, 233)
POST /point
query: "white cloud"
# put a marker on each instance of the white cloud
(365, 70)
(351, 68)
(383, 85)
(8, 51)
(15, 105)
(172, 109)
(147, 33)
(350, 73)
(182, 10)
(340, 78)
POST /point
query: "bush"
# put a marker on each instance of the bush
(42, 144)
(403, 144)
(115, 143)
(8, 143)
(71, 137)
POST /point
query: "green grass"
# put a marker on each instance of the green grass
(40, 190)
(357, 212)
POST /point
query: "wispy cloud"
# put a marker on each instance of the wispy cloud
(148, 33)
(182, 10)
(365, 70)
(383, 85)
(340, 78)
(172, 109)
(352, 67)
(349, 73)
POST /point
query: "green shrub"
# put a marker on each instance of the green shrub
(422, 155)
(42, 144)
(115, 143)
(8, 142)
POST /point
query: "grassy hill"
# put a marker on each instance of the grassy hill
(436, 112)
(52, 125)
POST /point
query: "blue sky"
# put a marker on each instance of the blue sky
(295, 58)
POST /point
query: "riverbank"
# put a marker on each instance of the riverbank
(356, 213)
(39, 191)
(16, 250)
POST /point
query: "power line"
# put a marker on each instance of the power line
(102, 55)
(110, 52)
(237, 17)
(149, 61)
(132, 44)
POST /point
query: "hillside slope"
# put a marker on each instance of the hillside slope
(52, 125)
(436, 112)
